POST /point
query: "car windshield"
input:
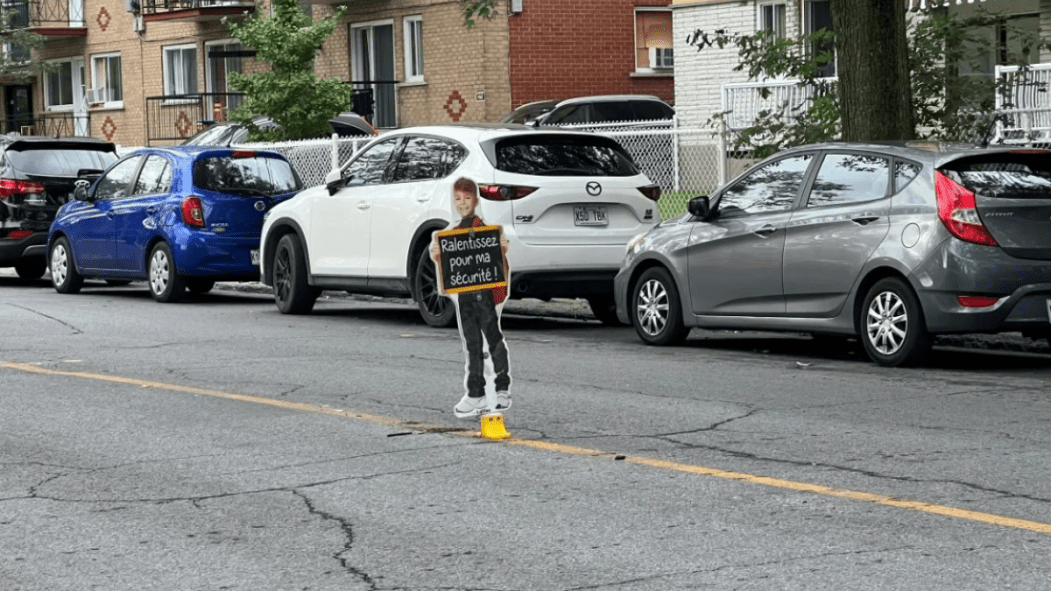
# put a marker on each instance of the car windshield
(60, 161)
(256, 175)
(563, 155)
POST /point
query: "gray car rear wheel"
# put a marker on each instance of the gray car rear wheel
(655, 309)
(892, 326)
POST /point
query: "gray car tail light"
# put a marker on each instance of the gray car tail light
(958, 211)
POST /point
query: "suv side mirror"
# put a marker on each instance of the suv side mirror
(80, 190)
(700, 207)
(334, 181)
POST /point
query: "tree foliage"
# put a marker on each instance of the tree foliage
(477, 8)
(15, 64)
(947, 103)
(296, 98)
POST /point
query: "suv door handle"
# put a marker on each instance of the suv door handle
(363, 205)
(765, 230)
(865, 220)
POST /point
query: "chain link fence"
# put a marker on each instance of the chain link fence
(313, 159)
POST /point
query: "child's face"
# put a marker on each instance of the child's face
(463, 202)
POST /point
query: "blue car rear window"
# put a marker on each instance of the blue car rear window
(252, 175)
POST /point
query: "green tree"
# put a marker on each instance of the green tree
(299, 100)
(14, 28)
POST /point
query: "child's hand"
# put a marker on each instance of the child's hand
(503, 243)
(435, 252)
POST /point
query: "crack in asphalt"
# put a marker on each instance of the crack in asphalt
(348, 536)
(38, 313)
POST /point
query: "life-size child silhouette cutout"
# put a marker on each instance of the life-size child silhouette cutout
(478, 304)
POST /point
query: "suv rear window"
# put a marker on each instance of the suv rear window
(1006, 176)
(53, 160)
(253, 175)
(563, 155)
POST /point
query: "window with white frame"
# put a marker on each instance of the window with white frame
(414, 48)
(58, 84)
(180, 70)
(818, 16)
(653, 40)
(772, 19)
(222, 59)
(106, 80)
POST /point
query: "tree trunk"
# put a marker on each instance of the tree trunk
(873, 69)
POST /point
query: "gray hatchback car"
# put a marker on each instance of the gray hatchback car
(889, 243)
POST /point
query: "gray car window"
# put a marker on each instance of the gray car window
(117, 182)
(850, 178)
(427, 158)
(773, 187)
(904, 172)
(368, 168)
(155, 178)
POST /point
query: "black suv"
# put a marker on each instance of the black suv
(37, 175)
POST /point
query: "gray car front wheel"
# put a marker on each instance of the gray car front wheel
(655, 309)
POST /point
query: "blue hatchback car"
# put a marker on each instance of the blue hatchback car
(178, 217)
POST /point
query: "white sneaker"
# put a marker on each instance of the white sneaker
(503, 400)
(470, 407)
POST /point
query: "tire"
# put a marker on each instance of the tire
(655, 309)
(118, 282)
(198, 285)
(605, 309)
(33, 268)
(436, 309)
(64, 275)
(892, 326)
(292, 293)
(166, 286)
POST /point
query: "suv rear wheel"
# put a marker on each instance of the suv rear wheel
(64, 275)
(31, 268)
(436, 309)
(892, 326)
(292, 293)
(605, 309)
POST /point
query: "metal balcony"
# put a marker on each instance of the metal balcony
(194, 10)
(50, 18)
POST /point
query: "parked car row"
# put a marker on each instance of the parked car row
(887, 243)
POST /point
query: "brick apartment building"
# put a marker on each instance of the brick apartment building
(114, 66)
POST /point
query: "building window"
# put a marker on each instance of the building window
(180, 70)
(58, 85)
(414, 49)
(772, 19)
(818, 16)
(223, 58)
(653, 40)
(372, 67)
(106, 79)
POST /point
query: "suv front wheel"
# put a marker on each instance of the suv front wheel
(292, 293)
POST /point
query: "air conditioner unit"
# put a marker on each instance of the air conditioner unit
(661, 58)
(97, 95)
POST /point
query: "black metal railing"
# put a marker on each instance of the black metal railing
(62, 124)
(177, 117)
(45, 13)
(163, 6)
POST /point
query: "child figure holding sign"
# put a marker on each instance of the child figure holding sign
(478, 312)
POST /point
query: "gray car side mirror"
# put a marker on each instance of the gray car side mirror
(700, 208)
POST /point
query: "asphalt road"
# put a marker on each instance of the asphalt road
(216, 444)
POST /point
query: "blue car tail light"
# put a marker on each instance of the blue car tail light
(193, 211)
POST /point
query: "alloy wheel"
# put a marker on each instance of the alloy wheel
(282, 275)
(653, 307)
(435, 303)
(160, 271)
(887, 323)
(59, 264)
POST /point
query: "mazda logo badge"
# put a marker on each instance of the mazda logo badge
(594, 189)
(260, 206)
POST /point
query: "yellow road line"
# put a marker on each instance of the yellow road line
(954, 512)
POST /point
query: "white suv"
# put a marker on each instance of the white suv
(569, 203)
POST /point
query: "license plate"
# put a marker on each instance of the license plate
(590, 215)
(255, 256)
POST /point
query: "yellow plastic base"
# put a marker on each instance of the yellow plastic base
(493, 426)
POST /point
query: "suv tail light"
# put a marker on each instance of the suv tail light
(652, 192)
(9, 187)
(19, 234)
(504, 192)
(956, 208)
(192, 211)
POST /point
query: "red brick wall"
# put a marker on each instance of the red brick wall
(566, 48)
